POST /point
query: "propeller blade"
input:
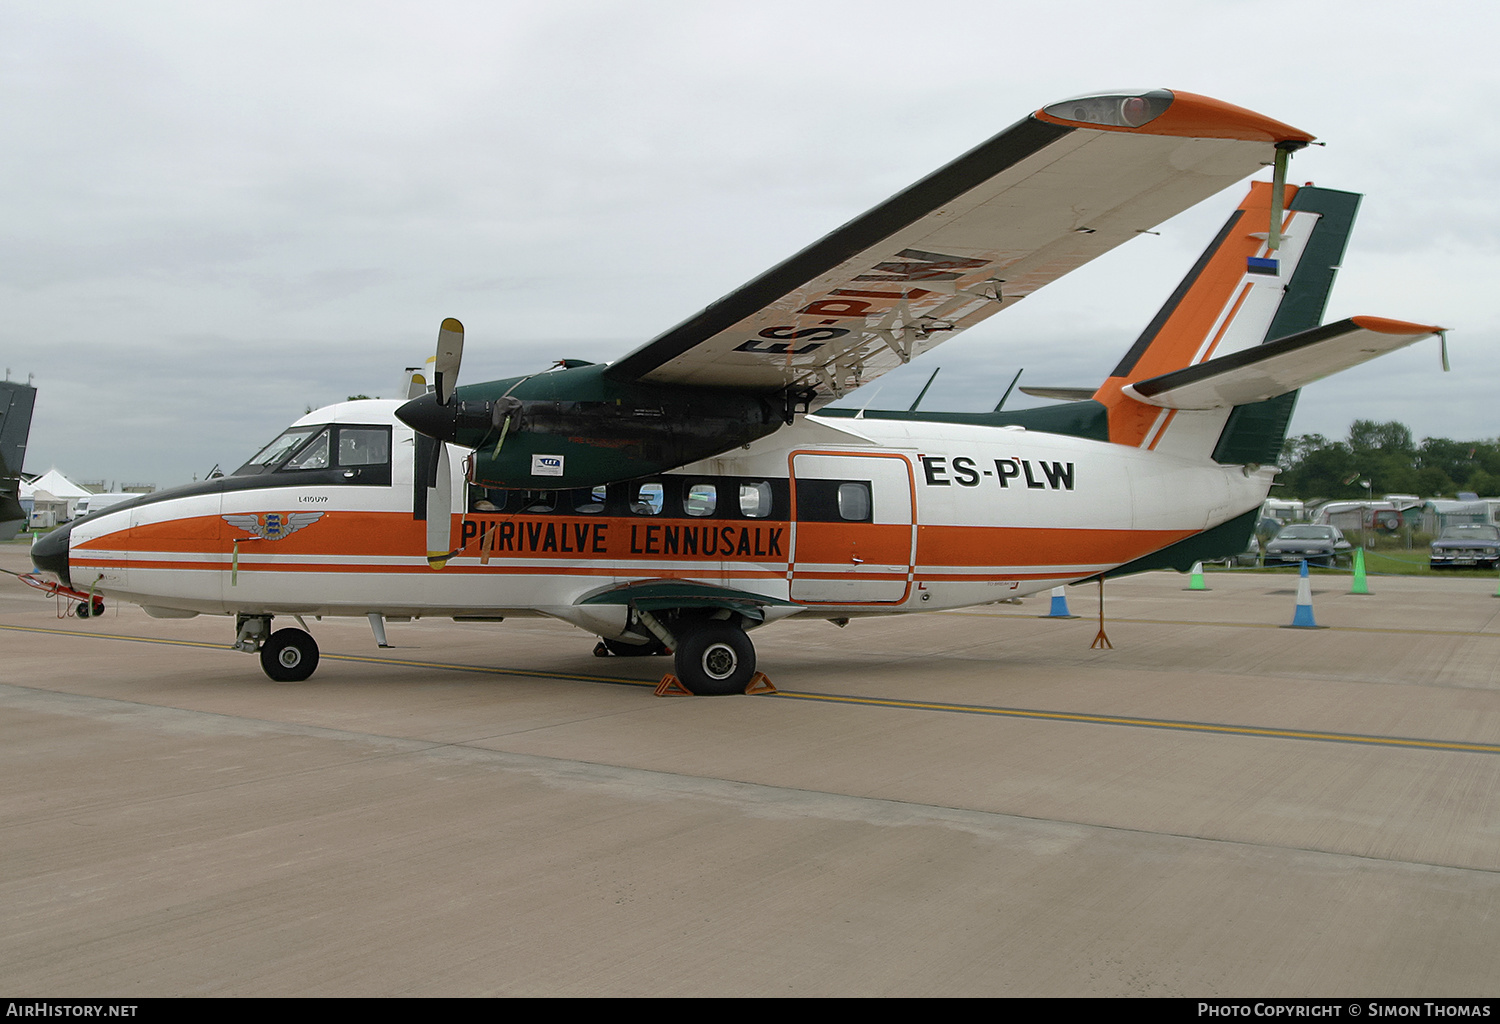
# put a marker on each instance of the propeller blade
(413, 383)
(439, 509)
(450, 352)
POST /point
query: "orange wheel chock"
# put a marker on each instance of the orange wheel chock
(759, 684)
(671, 686)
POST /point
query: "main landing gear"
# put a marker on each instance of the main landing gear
(287, 655)
(712, 657)
(715, 659)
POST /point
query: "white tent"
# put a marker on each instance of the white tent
(58, 490)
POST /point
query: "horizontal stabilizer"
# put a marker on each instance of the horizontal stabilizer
(1277, 367)
(1061, 394)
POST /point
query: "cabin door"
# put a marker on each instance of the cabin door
(854, 533)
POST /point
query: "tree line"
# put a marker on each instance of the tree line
(1385, 456)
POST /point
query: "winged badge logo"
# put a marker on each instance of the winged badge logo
(273, 525)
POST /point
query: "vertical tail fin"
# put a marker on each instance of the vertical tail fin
(1236, 296)
(16, 402)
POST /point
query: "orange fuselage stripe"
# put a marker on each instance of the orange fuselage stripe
(623, 545)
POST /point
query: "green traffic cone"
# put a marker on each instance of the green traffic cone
(1360, 586)
(1196, 583)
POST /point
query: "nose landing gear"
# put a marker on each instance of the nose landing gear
(290, 656)
(286, 656)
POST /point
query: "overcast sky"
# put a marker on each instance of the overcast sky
(219, 214)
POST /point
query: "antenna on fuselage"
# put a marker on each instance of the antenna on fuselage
(1001, 404)
(923, 393)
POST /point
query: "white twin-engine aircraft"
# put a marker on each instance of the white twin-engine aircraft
(697, 488)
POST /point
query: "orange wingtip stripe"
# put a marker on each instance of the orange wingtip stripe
(1202, 117)
(1381, 325)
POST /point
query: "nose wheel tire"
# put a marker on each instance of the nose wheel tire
(715, 659)
(289, 656)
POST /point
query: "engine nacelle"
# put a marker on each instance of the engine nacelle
(574, 427)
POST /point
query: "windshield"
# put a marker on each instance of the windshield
(313, 456)
(1470, 531)
(277, 450)
(1306, 533)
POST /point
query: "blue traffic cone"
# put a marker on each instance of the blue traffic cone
(1303, 618)
(1059, 605)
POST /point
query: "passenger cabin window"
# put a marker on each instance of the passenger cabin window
(700, 500)
(755, 499)
(854, 502)
(669, 497)
(832, 501)
(648, 499)
(537, 502)
(590, 502)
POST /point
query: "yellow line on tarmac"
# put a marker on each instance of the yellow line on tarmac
(911, 705)
(1155, 723)
(492, 670)
(116, 636)
(372, 659)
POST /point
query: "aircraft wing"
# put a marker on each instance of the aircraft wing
(1045, 196)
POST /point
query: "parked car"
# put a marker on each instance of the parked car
(1466, 544)
(1320, 545)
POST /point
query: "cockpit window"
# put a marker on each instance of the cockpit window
(313, 456)
(277, 450)
(364, 446)
(345, 453)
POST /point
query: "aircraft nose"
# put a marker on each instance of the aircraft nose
(50, 553)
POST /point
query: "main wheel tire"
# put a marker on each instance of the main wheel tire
(715, 659)
(289, 656)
